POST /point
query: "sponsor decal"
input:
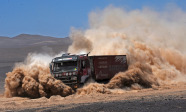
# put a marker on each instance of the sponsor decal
(121, 59)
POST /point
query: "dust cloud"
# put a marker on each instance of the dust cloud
(154, 43)
(32, 79)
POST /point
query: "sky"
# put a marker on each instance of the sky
(56, 17)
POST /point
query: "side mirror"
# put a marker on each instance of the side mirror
(84, 64)
(50, 66)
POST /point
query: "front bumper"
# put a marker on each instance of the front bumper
(71, 81)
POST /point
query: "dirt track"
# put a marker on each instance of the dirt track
(167, 98)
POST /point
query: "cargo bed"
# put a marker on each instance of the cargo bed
(106, 66)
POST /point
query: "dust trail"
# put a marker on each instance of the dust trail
(154, 43)
(93, 88)
(33, 79)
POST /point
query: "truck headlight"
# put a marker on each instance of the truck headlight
(70, 73)
(67, 74)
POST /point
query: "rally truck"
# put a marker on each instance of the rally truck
(74, 70)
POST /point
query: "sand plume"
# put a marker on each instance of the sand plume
(33, 79)
(135, 75)
(154, 43)
(93, 88)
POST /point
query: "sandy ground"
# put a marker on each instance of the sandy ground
(166, 98)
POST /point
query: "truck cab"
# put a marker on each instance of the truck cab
(72, 70)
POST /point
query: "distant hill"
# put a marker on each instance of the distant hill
(19, 46)
(26, 40)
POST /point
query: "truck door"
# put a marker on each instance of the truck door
(84, 70)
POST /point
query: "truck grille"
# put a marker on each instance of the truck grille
(68, 80)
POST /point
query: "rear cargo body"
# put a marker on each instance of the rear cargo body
(106, 66)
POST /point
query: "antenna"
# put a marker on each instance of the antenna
(88, 53)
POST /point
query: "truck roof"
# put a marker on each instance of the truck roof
(65, 58)
(105, 55)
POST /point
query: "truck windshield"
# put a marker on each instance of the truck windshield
(65, 66)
